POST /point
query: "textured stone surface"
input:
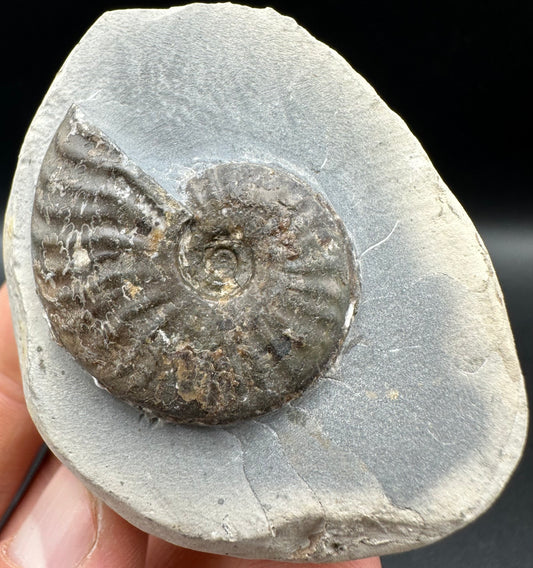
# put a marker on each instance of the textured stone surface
(415, 428)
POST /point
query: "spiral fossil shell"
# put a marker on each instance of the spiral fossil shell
(209, 312)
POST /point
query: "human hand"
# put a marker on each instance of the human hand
(58, 523)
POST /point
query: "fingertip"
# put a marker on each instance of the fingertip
(9, 363)
(60, 528)
(19, 440)
(118, 543)
(64, 525)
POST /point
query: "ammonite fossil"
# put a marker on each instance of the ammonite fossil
(191, 247)
(209, 312)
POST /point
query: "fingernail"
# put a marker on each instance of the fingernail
(60, 530)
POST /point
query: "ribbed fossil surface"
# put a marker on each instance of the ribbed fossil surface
(206, 312)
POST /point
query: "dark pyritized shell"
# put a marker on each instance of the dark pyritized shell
(209, 312)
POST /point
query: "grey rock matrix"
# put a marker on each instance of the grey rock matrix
(406, 433)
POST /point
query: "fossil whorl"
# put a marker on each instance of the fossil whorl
(213, 311)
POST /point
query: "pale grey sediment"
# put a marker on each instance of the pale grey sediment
(415, 428)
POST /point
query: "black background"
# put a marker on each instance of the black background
(459, 74)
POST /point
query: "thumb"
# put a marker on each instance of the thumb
(66, 526)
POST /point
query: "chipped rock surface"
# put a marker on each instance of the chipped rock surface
(415, 428)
